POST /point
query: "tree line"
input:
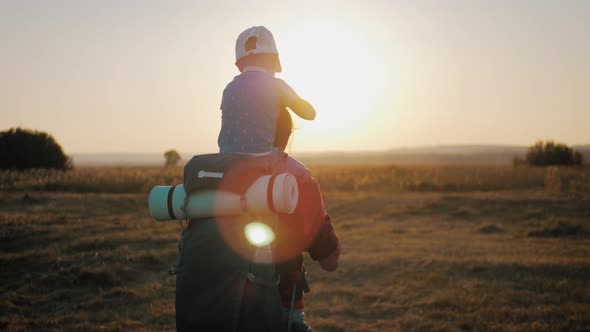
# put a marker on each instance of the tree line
(550, 153)
(26, 148)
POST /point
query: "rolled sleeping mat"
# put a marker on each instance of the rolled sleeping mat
(267, 194)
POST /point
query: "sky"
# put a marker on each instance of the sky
(147, 76)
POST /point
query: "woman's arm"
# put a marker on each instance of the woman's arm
(326, 246)
(319, 237)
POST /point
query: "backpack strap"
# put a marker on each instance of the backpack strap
(271, 182)
(269, 191)
(243, 203)
(169, 202)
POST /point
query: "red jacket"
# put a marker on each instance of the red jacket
(309, 229)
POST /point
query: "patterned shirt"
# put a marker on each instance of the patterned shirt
(249, 110)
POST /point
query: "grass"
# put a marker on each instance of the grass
(419, 178)
(90, 180)
(451, 178)
(475, 252)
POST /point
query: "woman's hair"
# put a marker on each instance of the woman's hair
(284, 130)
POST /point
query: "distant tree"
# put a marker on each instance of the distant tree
(551, 153)
(172, 158)
(26, 148)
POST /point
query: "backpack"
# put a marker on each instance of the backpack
(218, 287)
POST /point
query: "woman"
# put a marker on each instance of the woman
(220, 288)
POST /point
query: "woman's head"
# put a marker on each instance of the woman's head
(284, 130)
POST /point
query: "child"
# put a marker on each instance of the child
(252, 101)
(250, 108)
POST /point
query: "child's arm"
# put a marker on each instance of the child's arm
(302, 108)
(298, 105)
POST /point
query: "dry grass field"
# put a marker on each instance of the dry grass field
(425, 248)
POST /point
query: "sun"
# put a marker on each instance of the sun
(336, 66)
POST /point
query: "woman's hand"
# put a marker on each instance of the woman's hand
(330, 263)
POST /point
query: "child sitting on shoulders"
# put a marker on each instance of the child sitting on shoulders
(252, 102)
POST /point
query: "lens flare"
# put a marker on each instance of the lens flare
(259, 234)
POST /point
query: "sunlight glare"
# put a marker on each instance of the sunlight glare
(339, 69)
(259, 234)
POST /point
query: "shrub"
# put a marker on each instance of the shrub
(25, 148)
(172, 158)
(551, 153)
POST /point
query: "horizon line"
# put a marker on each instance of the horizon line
(347, 151)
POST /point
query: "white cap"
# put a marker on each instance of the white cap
(255, 40)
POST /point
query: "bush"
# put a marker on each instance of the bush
(172, 158)
(551, 153)
(24, 148)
